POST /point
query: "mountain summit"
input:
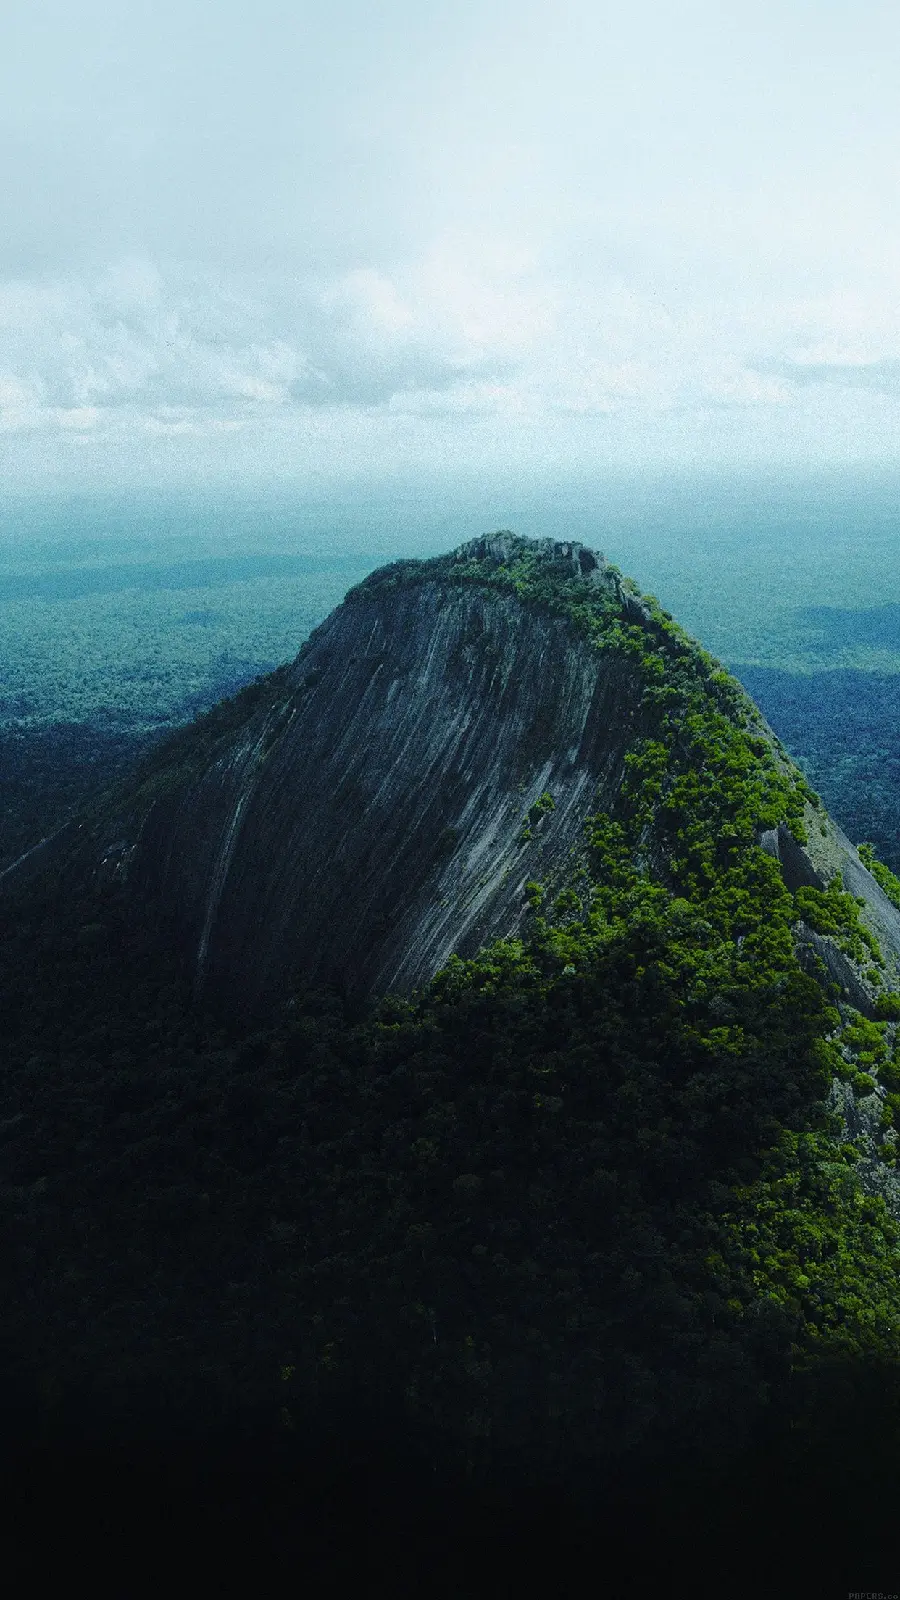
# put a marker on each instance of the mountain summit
(478, 1024)
(439, 743)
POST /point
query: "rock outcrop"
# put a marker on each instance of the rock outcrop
(382, 802)
(371, 816)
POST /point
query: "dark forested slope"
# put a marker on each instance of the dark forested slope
(610, 1194)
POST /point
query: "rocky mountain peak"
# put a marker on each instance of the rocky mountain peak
(438, 745)
(553, 554)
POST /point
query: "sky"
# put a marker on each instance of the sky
(328, 244)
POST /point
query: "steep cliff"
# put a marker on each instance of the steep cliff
(372, 817)
(438, 744)
(544, 1077)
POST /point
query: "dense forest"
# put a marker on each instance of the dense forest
(843, 726)
(576, 1234)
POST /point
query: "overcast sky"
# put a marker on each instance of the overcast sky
(305, 240)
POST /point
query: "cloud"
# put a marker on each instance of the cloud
(485, 329)
(479, 347)
(149, 341)
(339, 228)
(881, 377)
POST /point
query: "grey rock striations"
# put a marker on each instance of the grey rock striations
(371, 817)
(382, 802)
(828, 854)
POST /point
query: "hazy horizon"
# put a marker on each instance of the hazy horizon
(736, 556)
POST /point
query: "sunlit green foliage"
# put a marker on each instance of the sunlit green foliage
(883, 875)
(833, 911)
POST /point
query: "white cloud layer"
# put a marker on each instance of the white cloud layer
(446, 235)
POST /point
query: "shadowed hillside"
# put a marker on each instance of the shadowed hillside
(474, 1042)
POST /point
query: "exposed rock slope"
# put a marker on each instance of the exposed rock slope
(383, 801)
(613, 1181)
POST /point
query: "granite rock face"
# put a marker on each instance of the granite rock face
(373, 817)
(826, 856)
(382, 802)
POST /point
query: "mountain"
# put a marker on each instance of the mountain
(440, 741)
(478, 1026)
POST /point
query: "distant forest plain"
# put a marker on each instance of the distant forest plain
(123, 616)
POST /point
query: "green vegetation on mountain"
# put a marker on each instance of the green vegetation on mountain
(578, 1203)
(843, 727)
